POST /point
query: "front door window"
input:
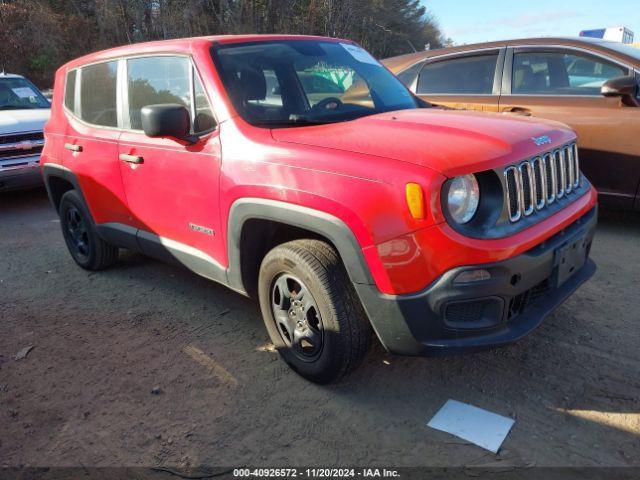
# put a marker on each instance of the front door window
(560, 73)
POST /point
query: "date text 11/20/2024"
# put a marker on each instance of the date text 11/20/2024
(316, 473)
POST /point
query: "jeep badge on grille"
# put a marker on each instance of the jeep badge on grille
(541, 140)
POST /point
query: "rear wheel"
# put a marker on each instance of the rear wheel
(311, 311)
(85, 246)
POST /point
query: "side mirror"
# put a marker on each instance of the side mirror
(624, 87)
(167, 120)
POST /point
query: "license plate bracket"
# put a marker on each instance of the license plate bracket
(570, 258)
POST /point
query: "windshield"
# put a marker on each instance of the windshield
(291, 82)
(19, 94)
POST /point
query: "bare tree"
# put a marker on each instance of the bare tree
(37, 36)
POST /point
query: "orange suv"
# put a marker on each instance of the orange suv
(589, 84)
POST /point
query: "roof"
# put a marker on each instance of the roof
(401, 62)
(186, 45)
(9, 75)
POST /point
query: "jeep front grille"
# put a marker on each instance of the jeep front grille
(540, 181)
(539, 173)
(513, 193)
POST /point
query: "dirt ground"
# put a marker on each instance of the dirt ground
(147, 364)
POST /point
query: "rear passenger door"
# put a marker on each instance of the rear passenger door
(171, 186)
(90, 141)
(468, 80)
(563, 84)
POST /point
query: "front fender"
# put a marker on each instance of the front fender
(322, 223)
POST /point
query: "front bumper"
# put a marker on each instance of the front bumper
(20, 173)
(449, 317)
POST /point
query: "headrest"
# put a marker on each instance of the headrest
(523, 76)
(526, 69)
(253, 85)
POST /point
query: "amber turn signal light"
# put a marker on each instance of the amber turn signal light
(415, 200)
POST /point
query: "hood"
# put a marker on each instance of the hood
(28, 120)
(451, 142)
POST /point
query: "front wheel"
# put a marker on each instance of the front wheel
(311, 311)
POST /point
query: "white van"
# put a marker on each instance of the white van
(613, 34)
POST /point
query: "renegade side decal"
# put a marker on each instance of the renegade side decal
(201, 229)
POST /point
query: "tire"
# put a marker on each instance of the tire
(87, 249)
(328, 333)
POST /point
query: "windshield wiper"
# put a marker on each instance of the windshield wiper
(292, 122)
(18, 107)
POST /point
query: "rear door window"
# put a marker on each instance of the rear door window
(98, 94)
(560, 73)
(469, 75)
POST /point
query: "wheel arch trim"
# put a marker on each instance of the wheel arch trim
(55, 170)
(321, 223)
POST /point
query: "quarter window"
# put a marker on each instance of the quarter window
(98, 94)
(557, 73)
(471, 75)
(203, 119)
(70, 91)
(408, 76)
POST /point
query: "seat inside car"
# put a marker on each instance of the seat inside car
(528, 81)
(249, 90)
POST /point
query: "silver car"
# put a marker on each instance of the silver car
(23, 113)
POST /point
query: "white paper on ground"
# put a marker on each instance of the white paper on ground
(480, 427)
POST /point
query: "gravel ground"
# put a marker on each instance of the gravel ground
(146, 364)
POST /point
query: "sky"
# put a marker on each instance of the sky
(468, 21)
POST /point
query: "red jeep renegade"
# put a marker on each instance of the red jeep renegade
(300, 170)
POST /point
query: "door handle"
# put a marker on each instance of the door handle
(73, 147)
(131, 158)
(518, 111)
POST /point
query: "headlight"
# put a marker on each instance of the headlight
(463, 198)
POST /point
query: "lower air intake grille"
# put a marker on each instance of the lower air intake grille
(469, 314)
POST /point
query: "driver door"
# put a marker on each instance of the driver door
(171, 186)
